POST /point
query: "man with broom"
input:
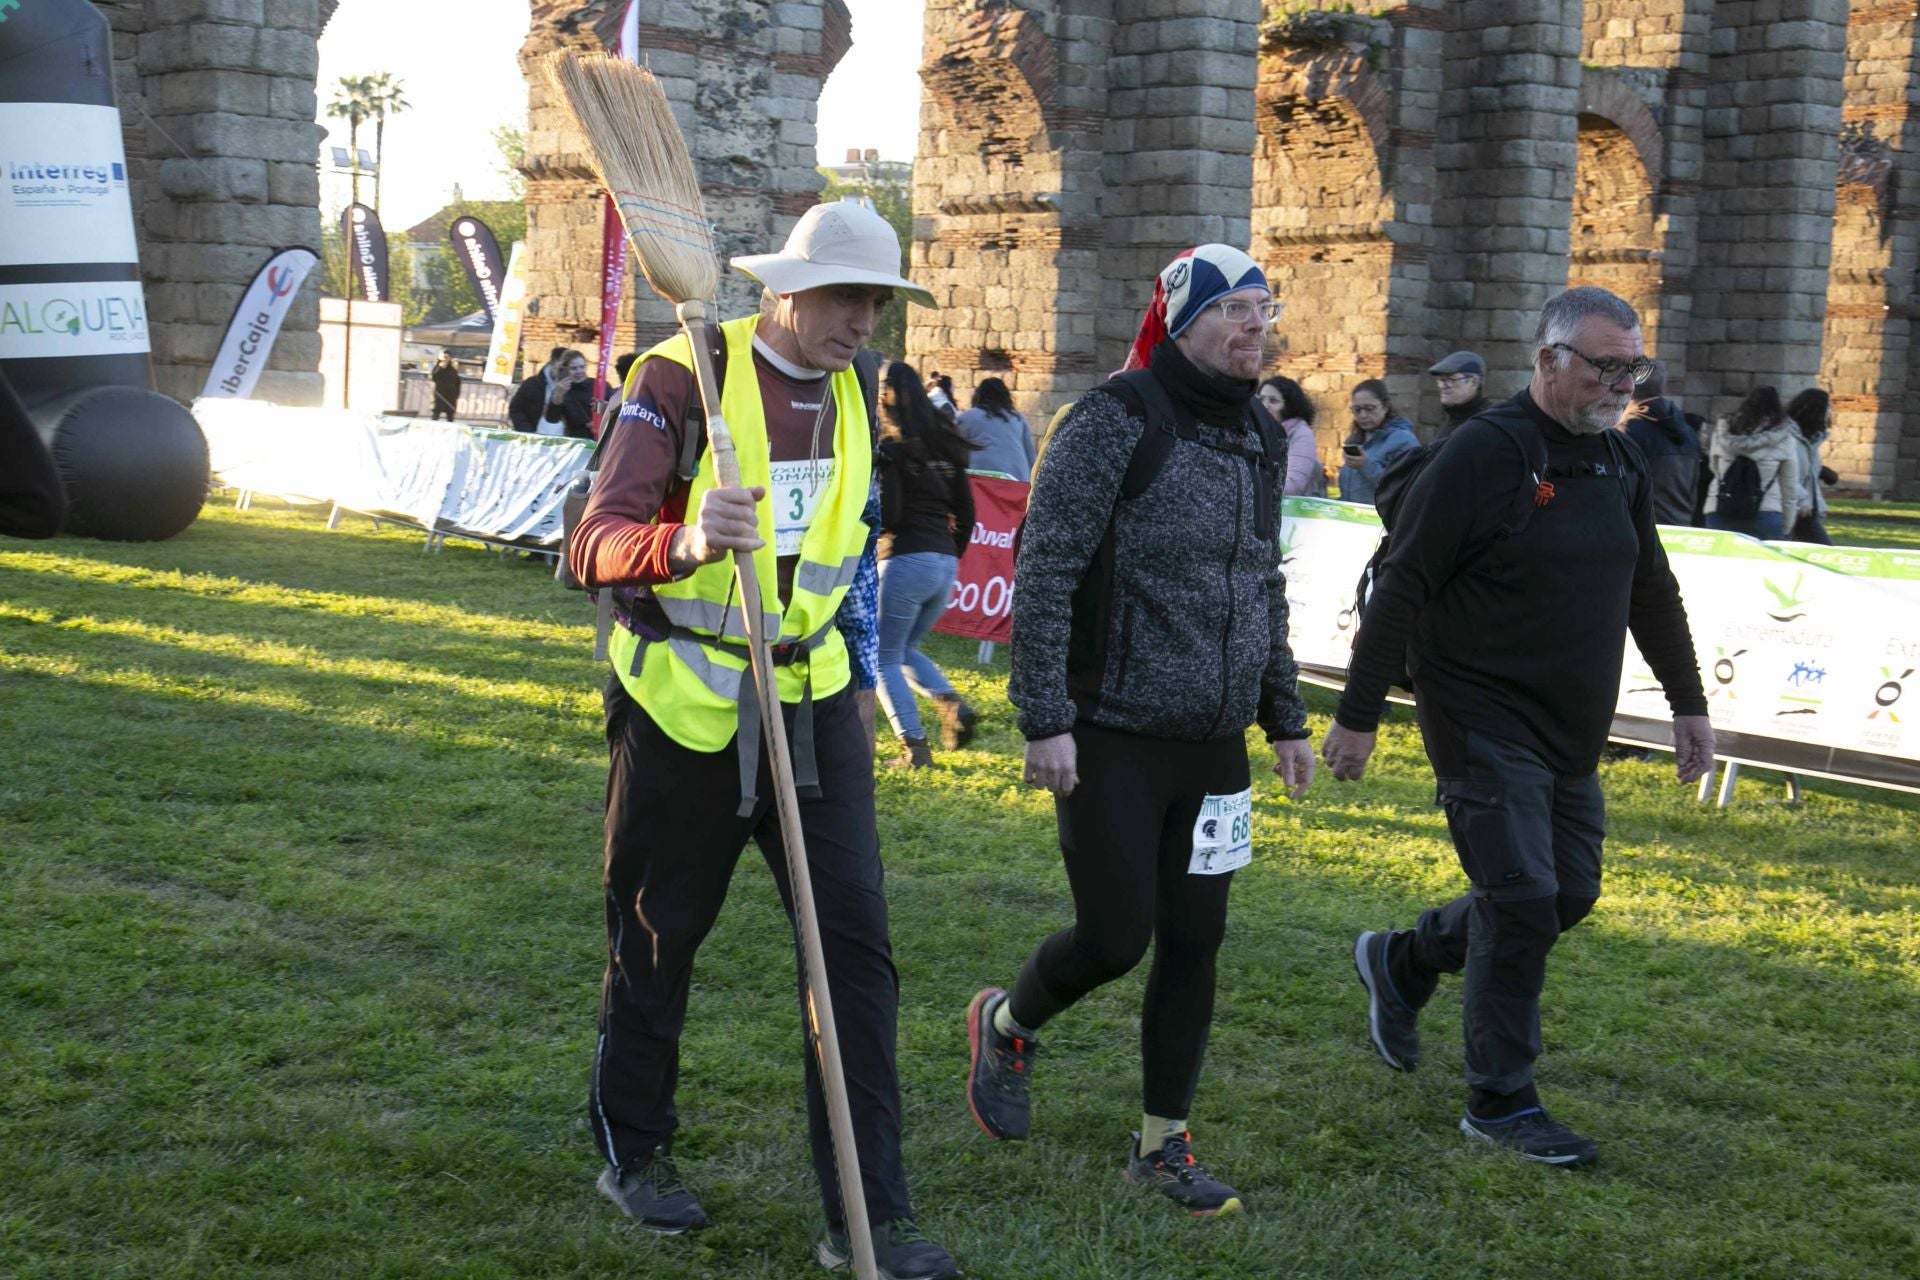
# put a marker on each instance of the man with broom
(688, 784)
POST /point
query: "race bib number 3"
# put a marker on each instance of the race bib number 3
(1223, 835)
(795, 493)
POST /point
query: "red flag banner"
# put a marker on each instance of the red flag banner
(982, 603)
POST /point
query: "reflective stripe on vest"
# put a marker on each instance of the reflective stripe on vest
(692, 690)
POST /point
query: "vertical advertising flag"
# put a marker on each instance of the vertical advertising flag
(505, 347)
(366, 253)
(479, 253)
(256, 324)
(981, 607)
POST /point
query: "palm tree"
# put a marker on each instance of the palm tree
(353, 101)
(386, 98)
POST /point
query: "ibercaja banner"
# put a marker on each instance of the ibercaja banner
(256, 324)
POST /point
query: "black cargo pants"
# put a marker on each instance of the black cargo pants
(1529, 841)
(673, 837)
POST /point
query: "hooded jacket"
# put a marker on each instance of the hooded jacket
(1776, 451)
(1672, 451)
(1810, 472)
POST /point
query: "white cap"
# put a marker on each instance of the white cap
(840, 243)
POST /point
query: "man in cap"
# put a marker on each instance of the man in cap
(1149, 631)
(1462, 379)
(688, 785)
(1521, 557)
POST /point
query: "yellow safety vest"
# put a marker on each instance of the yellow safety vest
(692, 689)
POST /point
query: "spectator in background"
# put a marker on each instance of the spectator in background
(1812, 414)
(926, 521)
(998, 432)
(1379, 436)
(1670, 446)
(1292, 408)
(33, 503)
(616, 394)
(1760, 430)
(940, 392)
(558, 401)
(1462, 379)
(446, 387)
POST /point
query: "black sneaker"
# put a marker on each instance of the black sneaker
(1392, 1024)
(1175, 1174)
(899, 1250)
(652, 1194)
(998, 1071)
(1534, 1135)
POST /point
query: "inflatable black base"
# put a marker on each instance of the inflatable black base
(134, 462)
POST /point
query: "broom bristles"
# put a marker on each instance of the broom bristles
(643, 162)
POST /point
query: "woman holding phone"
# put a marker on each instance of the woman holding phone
(1379, 435)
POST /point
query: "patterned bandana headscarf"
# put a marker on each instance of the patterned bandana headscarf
(1188, 285)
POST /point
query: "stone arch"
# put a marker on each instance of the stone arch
(993, 84)
(1322, 215)
(1614, 240)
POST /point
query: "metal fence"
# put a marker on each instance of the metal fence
(479, 401)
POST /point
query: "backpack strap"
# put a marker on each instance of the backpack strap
(1155, 445)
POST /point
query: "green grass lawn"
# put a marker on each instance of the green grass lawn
(300, 940)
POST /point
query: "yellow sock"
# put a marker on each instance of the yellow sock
(1155, 1130)
(1003, 1022)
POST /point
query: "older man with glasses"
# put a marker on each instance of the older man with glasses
(1521, 557)
(1462, 380)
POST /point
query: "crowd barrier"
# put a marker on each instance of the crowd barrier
(450, 479)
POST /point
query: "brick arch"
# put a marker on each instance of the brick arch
(1614, 240)
(1322, 205)
(993, 82)
(1605, 95)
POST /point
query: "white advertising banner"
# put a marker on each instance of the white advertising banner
(505, 347)
(502, 486)
(73, 318)
(1797, 643)
(256, 323)
(63, 185)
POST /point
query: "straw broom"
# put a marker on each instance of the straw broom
(643, 162)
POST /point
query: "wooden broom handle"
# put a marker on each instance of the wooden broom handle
(833, 1080)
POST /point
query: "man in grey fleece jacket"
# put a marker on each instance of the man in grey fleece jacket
(1149, 632)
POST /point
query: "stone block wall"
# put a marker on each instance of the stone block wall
(217, 104)
(743, 77)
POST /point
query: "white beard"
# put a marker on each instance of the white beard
(1601, 417)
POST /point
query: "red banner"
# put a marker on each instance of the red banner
(613, 278)
(982, 603)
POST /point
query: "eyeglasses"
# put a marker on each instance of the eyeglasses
(1453, 379)
(1237, 310)
(1611, 369)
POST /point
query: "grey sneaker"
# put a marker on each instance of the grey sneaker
(1534, 1135)
(1392, 1024)
(999, 1069)
(1175, 1174)
(899, 1251)
(652, 1194)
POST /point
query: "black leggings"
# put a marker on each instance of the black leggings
(1126, 833)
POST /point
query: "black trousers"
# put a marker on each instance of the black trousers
(673, 838)
(1126, 834)
(1529, 841)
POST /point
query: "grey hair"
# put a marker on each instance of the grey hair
(1561, 318)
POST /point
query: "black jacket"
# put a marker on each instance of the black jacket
(1459, 413)
(926, 504)
(1522, 638)
(529, 405)
(446, 385)
(1672, 451)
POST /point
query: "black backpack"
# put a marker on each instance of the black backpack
(693, 445)
(1739, 492)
